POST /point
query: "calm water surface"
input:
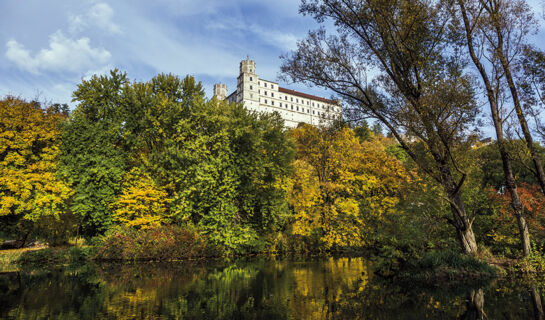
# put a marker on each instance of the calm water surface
(325, 288)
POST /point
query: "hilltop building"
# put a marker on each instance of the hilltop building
(266, 96)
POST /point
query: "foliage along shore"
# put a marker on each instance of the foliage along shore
(154, 171)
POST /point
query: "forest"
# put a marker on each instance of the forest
(155, 170)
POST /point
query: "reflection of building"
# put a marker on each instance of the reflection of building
(266, 96)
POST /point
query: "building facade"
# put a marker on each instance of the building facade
(266, 96)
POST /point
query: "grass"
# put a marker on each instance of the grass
(8, 258)
(448, 265)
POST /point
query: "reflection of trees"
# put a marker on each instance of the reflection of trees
(319, 287)
(257, 289)
(475, 306)
(537, 303)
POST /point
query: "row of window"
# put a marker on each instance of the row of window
(286, 97)
(296, 108)
(296, 100)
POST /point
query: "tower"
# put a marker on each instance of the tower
(220, 91)
(247, 85)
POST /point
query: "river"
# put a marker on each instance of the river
(256, 288)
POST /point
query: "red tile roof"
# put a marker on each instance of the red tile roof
(304, 95)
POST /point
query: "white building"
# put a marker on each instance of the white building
(266, 96)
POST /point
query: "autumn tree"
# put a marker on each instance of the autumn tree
(30, 191)
(342, 189)
(142, 204)
(393, 61)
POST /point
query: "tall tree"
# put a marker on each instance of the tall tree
(93, 160)
(419, 89)
(505, 25)
(342, 188)
(29, 151)
(475, 35)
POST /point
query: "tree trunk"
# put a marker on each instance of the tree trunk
(498, 126)
(475, 306)
(538, 306)
(460, 219)
(539, 173)
(512, 188)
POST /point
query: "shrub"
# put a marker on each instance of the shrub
(54, 257)
(163, 243)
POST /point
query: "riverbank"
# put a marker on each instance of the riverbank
(435, 266)
(9, 258)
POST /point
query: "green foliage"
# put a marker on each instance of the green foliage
(92, 160)
(208, 163)
(447, 265)
(534, 263)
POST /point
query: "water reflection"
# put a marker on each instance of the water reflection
(334, 288)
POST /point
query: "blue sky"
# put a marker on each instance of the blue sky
(47, 47)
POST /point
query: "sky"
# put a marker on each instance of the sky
(48, 47)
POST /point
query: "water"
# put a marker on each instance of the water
(325, 288)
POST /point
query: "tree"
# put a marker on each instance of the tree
(29, 148)
(93, 160)
(420, 89)
(342, 189)
(479, 29)
(142, 204)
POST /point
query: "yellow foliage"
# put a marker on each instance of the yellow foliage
(142, 203)
(341, 188)
(29, 148)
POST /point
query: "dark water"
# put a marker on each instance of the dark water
(326, 288)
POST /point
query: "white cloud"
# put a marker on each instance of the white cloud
(63, 54)
(99, 15)
(282, 40)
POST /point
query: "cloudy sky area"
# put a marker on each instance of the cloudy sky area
(47, 47)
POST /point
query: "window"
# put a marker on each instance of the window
(272, 102)
(280, 104)
(265, 101)
(251, 79)
(265, 84)
(297, 100)
(258, 91)
(265, 92)
(297, 108)
(308, 110)
(251, 88)
(272, 94)
(313, 104)
(259, 82)
(308, 103)
(286, 98)
(291, 99)
(292, 107)
(313, 112)
(272, 87)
